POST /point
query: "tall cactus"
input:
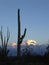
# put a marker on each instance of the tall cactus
(20, 38)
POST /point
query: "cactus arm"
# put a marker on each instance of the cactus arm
(24, 34)
(22, 37)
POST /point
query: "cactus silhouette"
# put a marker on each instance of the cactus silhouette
(3, 49)
(20, 37)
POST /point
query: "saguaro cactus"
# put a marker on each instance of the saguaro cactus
(20, 38)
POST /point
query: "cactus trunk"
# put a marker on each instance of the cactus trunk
(18, 50)
(18, 45)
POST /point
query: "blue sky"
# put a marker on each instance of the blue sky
(34, 17)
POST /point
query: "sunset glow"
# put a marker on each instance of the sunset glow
(33, 42)
(13, 44)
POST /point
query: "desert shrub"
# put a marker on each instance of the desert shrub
(4, 42)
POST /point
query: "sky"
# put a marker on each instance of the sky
(34, 15)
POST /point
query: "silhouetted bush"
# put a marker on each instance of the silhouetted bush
(4, 42)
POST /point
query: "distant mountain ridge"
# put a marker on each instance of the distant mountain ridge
(33, 49)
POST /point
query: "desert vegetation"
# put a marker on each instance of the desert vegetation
(20, 38)
(26, 58)
(4, 42)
